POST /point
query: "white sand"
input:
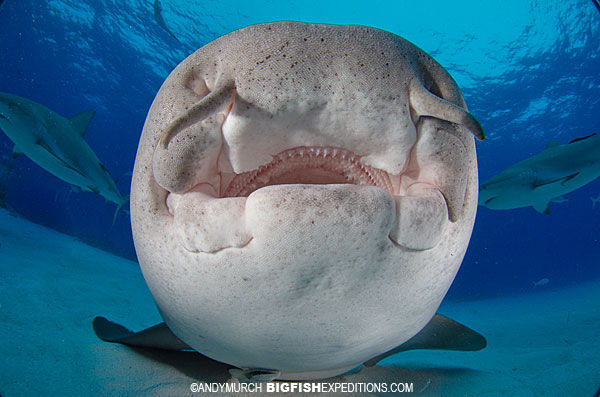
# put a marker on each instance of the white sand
(52, 286)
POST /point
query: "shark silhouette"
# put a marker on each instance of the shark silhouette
(56, 144)
(160, 20)
(539, 179)
(595, 201)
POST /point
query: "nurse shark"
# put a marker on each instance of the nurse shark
(544, 177)
(56, 144)
(302, 198)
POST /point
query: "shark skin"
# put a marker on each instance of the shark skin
(302, 197)
(541, 178)
(56, 144)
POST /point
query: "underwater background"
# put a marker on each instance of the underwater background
(529, 70)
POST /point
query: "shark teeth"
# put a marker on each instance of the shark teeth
(312, 164)
(208, 221)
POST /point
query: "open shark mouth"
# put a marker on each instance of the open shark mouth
(218, 172)
(310, 165)
(212, 215)
(219, 168)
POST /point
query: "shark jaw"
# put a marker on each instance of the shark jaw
(209, 218)
(310, 165)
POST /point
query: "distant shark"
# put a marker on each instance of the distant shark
(539, 179)
(56, 144)
(541, 282)
(595, 201)
(160, 20)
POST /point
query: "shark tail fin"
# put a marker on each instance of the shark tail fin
(119, 206)
(81, 121)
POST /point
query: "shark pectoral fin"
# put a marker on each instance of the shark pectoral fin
(542, 208)
(157, 337)
(81, 121)
(16, 152)
(425, 103)
(441, 333)
(90, 189)
(568, 178)
(47, 148)
(255, 375)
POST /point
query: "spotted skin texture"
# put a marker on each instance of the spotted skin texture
(311, 280)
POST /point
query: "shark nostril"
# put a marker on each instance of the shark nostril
(214, 101)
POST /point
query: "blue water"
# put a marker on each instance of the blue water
(530, 72)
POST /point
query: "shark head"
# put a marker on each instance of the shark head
(303, 196)
(4, 110)
(10, 112)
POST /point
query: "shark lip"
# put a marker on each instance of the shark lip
(209, 223)
(309, 165)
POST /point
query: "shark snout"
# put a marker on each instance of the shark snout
(4, 110)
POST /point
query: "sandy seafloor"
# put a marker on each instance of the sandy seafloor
(545, 343)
